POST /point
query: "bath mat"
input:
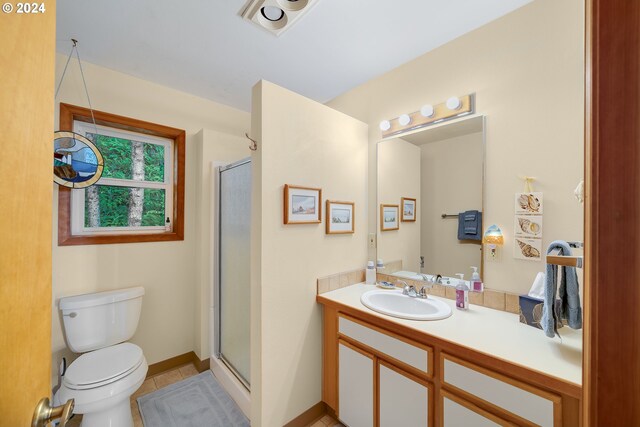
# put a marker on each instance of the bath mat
(198, 401)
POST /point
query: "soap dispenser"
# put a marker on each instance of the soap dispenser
(476, 283)
(462, 293)
(371, 273)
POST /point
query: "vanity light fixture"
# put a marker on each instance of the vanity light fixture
(427, 110)
(454, 103)
(428, 115)
(275, 16)
(493, 238)
(404, 119)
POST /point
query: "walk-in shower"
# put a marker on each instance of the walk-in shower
(231, 273)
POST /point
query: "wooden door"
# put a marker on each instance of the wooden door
(611, 360)
(26, 125)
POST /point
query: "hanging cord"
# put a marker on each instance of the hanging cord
(528, 188)
(65, 67)
(84, 82)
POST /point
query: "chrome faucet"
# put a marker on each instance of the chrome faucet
(412, 292)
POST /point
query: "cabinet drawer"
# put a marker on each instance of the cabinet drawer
(532, 405)
(457, 412)
(410, 353)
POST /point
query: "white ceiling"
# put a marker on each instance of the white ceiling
(205, 48)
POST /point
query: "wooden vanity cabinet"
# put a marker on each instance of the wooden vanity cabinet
(384, 375)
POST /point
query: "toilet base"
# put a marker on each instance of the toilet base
(118, 415)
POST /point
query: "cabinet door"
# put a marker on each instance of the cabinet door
(457, 412)
(404, 399)
(355, 386)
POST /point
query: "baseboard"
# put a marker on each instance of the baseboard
(308, 416)
(201, 365)
(177, 361)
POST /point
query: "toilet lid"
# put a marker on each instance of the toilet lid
(104, 366)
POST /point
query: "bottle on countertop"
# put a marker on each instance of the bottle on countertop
(167, 225)
(371, 273)
(462, 293)
(476, 283)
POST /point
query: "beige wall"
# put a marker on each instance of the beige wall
(167, 270)
(451, 183)
(305, 143)
(399, 176)
(527, 70)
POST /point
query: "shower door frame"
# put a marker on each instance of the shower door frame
(218, 168)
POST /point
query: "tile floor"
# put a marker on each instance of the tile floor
(151, 384)
(166, 378)
(326, 421)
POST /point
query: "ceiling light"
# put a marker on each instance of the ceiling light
(385, 125)
(404, 119)
(293, 5)
(276, 16)
(272, 13)
(427, 110)
(454, 103)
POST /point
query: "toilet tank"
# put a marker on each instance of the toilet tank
(102, 319)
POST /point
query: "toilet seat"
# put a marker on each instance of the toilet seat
(103, 366)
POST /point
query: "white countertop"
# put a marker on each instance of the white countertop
(496, 333)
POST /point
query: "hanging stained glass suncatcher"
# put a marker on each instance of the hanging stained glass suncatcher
(77, 162)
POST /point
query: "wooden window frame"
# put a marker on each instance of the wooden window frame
(69, 114)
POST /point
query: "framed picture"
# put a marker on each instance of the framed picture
(302, 205)
(529, 249)
(389, 217)
(408, 209)
(529, 204)
(340, 217)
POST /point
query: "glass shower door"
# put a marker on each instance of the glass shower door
(233, 285)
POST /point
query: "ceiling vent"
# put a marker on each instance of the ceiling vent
(276, 15)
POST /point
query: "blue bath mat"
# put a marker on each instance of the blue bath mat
(198, 401)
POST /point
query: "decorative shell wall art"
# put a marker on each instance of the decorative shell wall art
(529, 203)
(529, 249)
(528, 226)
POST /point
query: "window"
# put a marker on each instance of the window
(142, 184)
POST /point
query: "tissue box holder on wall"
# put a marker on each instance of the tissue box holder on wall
(531, 311)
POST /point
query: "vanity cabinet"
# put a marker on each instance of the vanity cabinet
(383, 379)
(376, 374)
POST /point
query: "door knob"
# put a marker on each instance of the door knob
(44, 413)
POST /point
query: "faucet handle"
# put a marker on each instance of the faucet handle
(423, 291)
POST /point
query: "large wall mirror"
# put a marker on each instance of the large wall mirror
(435, 177)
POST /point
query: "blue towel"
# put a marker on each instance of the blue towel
(568, 293)
(470, 225)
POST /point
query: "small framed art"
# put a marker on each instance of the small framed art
(340, 217)
(389, 217)
(408, 210)
(302, 205)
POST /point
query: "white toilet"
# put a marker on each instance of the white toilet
(103, 378)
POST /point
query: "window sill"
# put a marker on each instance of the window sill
(121, 238)
(65, 238)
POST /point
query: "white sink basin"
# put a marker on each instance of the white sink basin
(394, 303)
